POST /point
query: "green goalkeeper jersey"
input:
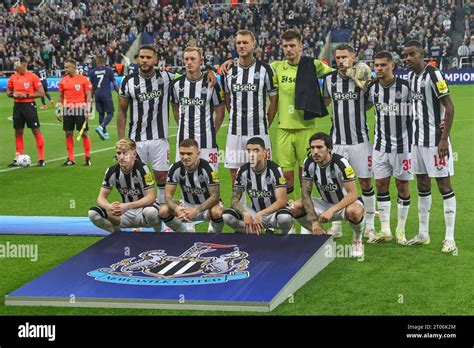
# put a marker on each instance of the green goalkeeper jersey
(288, 116)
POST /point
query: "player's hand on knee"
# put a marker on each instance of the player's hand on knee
(326, 216)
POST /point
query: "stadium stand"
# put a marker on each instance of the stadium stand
(81, 29)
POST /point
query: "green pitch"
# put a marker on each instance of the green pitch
(391, 280)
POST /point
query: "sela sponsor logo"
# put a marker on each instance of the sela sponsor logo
(192, 101)
(417, 96)
(288, 79)
(384, 107)
(37, 331)
(249, 87)
(259, 193)
(148, 96)
(327, 187)
(129, 192)
(157, 268)
(194, 190)
(345, 96)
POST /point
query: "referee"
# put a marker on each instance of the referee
(24, 87)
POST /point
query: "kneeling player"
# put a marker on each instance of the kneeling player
(200, 191)
(266, 186)
(133, 180)
(335, 181)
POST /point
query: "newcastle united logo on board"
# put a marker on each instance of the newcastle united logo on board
(156, 267)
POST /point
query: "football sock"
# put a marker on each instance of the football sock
(285, 222)
(20, 144)
(403, 205)
(424, 206)
(152, 217)
(384, 205)
(40, 146)
(337, 226)
(303, 220)
(217, 224)
(233, 222)
(161, 193)
(368, 197)
(86, 144)
(449, 201)
(70, 148)
(175, 224)
(106, 121)
(98, 217)
(358, 228)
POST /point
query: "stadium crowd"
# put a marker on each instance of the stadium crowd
(81, 29)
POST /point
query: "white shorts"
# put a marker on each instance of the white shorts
(202, 216)
(321, 206)
(387, 164)
(359, 156)
(425, 160)
(268, 221)
(156, 152)
(134, 218)
(236, 149)
(210, 155)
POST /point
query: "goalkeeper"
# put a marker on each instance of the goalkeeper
(345, 88)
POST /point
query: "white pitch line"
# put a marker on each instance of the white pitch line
(79, 154)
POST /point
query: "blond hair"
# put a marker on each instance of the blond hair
(125, 145)
(246, 32)
(194, 49)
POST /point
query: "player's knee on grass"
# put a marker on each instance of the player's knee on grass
(164, 211)
(152, 217)
(216, 212)
(355, 212)
(298, 208)
(98, 217)
(284, 220)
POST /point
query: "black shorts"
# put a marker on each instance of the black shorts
(25, 113)
(73, 118)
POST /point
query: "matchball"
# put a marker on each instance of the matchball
(23, 161)
(362, 72)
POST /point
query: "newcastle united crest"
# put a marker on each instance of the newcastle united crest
(193, 267)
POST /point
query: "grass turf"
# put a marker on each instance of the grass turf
(392, 280)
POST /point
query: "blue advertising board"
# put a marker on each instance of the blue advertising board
(183, 271)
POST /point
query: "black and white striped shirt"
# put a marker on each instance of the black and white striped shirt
(194, 185)
(248, 88)
(427, 88)
(131, 185)
(393, 121)
(149, 108)
(329, 180)
(261, 186)
(349, 121)
(196, 101)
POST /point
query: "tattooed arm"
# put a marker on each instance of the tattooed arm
(306, 187)
(214, 191)
(237, 205)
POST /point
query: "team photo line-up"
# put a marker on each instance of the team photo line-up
(413, 120)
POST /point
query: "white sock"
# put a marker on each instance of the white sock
(217, 225)
(368, 197)
(358, 229)
(384, 205)
(161, 194)
(100, 221)
(175, 224)
(449, 214)
(424, 206)
(403, 205)
(336, 226)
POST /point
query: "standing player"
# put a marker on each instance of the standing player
(349, 130)
(147, 94)
(101, 77)
(247, 85)
(265, 184)
(194, 102)
(199, 184)
(133, 67)
(40, 70)
(335, 181)
(74, 109)
(293, 129)
(432, 153)
(24, 87)
(134, 182)
(392, 143)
